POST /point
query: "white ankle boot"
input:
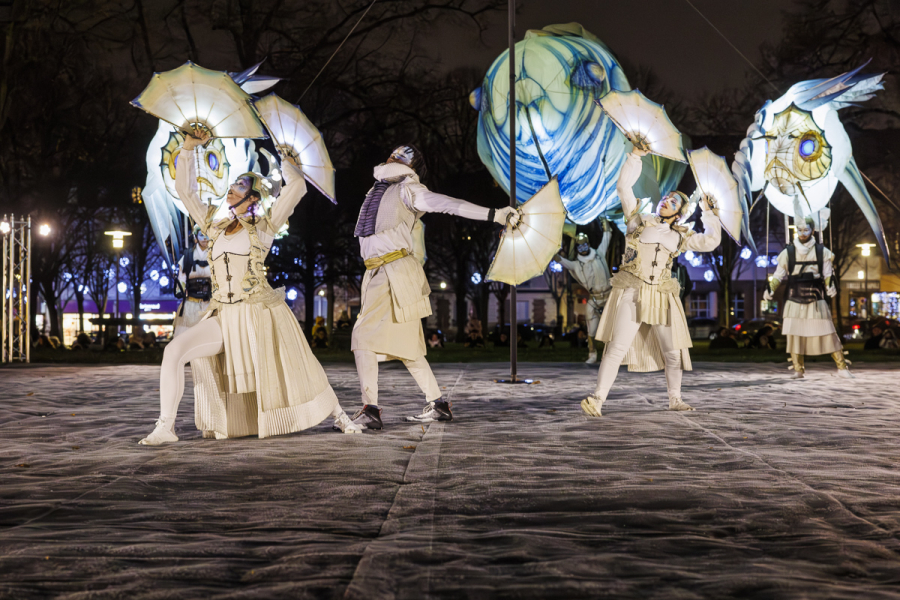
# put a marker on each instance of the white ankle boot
(162, 434)
(679, 404)
(344, 423)
(592, 358)
(592, 405)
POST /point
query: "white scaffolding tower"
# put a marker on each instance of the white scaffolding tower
(16, 309)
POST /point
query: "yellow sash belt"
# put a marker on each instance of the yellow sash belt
(380, 261)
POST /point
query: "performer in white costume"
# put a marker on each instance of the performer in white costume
(808, 268)
(592, 272)
(254, 371)
(194, 275)
(644, 325)
(395, 292)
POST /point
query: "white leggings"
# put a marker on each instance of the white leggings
(201, 340)
(624, 330)
(367, 369)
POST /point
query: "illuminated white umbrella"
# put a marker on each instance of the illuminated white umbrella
(295, 136)
(198, 100)
(644, 123)
(526, 250)
(718, 185)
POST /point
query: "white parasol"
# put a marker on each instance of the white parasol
(644, 123)
(526, 250)
(716, 183)
(295, 136)
(197, 100)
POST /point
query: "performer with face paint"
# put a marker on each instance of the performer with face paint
(394, 289)
(644, 324)
(808, 268)
(592, 272)
(254, 373)
(194, 275)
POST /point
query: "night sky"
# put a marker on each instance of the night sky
(668, 36)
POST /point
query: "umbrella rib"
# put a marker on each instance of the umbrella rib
(213, 103)
(172, 94)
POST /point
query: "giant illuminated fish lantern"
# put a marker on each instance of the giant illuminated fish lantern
(797, 149)
(560, 71)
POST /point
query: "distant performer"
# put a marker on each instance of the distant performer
(644, 324)
(395, 291)
(194, 275)
(592, 272)
(808, 268)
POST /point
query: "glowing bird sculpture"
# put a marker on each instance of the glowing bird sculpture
(560, 131)
(797, 149)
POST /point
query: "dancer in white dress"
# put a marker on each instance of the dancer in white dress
(254, 371)
(808, 268)
(644, 325)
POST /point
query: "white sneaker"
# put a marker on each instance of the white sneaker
(344, 423)
(592, 405)
(162, 434)
(679, 404)
(797, 375)
(845, 374)
(592, 358)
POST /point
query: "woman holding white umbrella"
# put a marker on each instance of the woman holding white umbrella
(644, 324)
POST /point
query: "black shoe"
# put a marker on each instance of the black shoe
(439, 410)
(368, 417)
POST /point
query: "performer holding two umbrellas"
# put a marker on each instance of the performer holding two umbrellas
(257, 374)
(644, 324)
(395, 290)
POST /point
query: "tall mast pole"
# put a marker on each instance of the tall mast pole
(513, 320)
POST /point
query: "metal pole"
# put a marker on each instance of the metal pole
(5, 313)
(27, 277)
(513, 320)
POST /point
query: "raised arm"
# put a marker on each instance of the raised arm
(186, 182)
(603, 248)
(711, 236)
(628, 176)
(294, 189)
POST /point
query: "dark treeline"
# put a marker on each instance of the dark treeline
(73, 149)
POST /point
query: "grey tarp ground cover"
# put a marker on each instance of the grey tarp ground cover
(772, 489)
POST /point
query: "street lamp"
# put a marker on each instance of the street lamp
(118, 242)
(44, 230)
(866, 252)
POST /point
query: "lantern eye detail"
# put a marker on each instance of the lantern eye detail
(212, 161)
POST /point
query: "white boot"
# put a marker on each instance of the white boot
(163, 433)
(592, 405)
(679, 404)
(344, 423)
(797, 375)
(845, 374)
(592, 358)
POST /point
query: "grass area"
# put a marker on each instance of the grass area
(457, 353)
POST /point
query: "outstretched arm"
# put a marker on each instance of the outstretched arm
(424, 200)
(293, 191)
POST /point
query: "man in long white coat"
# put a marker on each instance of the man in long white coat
(591, 270)
(808, 268)
(395, 291)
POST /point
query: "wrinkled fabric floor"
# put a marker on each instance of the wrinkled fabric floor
(772, 489)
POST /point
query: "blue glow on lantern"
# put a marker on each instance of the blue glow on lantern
(807, 147)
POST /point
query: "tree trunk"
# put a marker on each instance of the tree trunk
(79, 299)
(462, 313)
(838, 309)
(329, 318)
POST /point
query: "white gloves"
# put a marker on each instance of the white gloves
(831, 291)
(507, 214)
(767, 295)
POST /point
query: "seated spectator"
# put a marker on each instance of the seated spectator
(319, 325)
(502, 340)
(136, 341)
(319, 339)
(520, 342)
(343, 321)
(889, 340)
(724, 340)
(763, 339)
(547, 340)
(874, 342)
(46, 341)
(149, 340)
(435, 341)
(475, 340)
(82, 342)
